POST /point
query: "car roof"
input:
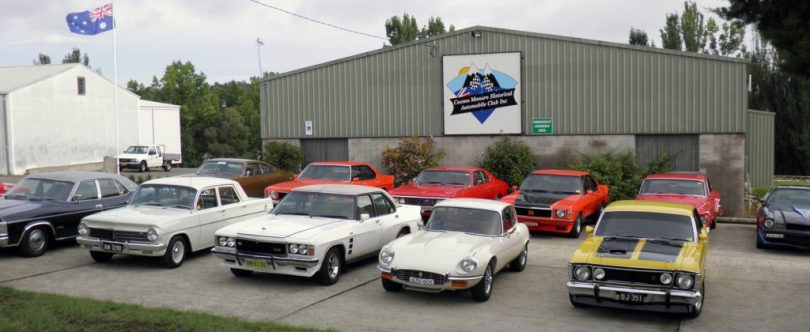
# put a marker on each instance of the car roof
(474, 203)
(75, 176)
(651, 206)
(455, 169)
(563, 172)
(196, 182)
(793, 186)
(677, 176)
(339, 163)
(339, 189)
(234, 160)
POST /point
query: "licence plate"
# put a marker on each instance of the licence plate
(261, 264)
(531, 224)
(775, 235)
(420, 281)
(112, 247)
(631, 297)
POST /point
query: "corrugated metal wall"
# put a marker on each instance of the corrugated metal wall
(684, 151)
(759, 148)
(586, 87)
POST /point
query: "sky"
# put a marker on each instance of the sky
(219, 36)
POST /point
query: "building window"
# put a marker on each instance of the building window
(80, 83)
(684, 150)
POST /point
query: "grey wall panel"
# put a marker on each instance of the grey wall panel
(759, 148)
(586, 87)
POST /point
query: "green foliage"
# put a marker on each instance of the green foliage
(75, 56)
(693, 31)
(639, 37)
(283, 155)
(42, 59)
(759, 193)
(140, 178)
(405, 29)
(507, 159)
(671, 33)
(688, 32)
(410, 157)
(620, 171)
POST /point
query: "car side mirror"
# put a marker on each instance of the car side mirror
(589, 230)
(365, 216)
(514, 188)
(703, 236)
(588, 192)
(152, 153)
(76, 198)
(355, 179)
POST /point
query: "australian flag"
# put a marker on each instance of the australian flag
(91, 22)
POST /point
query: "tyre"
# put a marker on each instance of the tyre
(696, 309)
(391, 286)
(241, 273)
(175, 252)
(35, 242)
(330, 268)
(167, 166)
(142, 167)
(574, 233)
(482, 291)
(714, 223)
(403, 232)
(519, 264)
(576, 304)
(101, 257)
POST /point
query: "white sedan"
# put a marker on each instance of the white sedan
(169, 218)
(315, 230)
(465, 243)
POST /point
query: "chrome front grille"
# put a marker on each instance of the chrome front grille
(121, 236)
(405, 275)
(418, 201)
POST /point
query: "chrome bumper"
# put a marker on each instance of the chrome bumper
(4, 241)
(135, 248)
(471, 281)
(672, 300)
(273, 260)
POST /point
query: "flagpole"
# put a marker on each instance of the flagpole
(115, 87)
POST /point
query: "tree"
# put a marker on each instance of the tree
(434, 27)
(75, 56)
(671, 33)
(639, 37)
(405, 29)
(693, 31)
(688, 32)
(782, 24)
(42, 59)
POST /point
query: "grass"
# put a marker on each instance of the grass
(790, 183)
(29, 311)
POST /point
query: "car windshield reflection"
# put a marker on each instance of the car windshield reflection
(322, 205)
(165, 195)
(452, 178)
(647, 225)
(220, 168)
(558, 184)
(466, 220)
(679, 187)
(40, 189)
(789, 198)
(326, 172)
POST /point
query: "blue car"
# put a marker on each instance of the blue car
(783, 218)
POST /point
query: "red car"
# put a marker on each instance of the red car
(558, 201)
(693, 189)
(5, 187)
(440, 183)
(325, 172)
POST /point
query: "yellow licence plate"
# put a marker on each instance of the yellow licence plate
(256, 263)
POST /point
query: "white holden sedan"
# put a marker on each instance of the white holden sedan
(314, 231)
(465, 243)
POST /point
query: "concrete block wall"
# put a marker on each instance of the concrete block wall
(722, 159)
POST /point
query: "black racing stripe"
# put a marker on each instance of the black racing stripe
(660, 251)
(617, 247)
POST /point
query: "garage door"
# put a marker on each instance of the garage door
(683, 149)
(325, 149)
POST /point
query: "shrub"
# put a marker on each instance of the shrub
(140, 179)
(759, 193)
(410, 157)
(620, 172)
(507, 159)
(283, 155)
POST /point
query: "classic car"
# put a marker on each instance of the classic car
(783, 218)
(688, 188)
(48, 207)
(558, 201)
(169, 218)
(252, 175)
(436, 184)
(645, 255)
(315, 231)
(332, 172)
(5, 187)
(466, 242)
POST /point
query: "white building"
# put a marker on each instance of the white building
(64, 115)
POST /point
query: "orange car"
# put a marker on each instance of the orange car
(558, 201)
(326, 172)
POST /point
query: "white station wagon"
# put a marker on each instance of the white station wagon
(465, 243)
(315, 230)
(169, 217)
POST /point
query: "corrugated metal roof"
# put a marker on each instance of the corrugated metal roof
(15, 78)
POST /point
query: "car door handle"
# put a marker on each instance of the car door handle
(98, 206)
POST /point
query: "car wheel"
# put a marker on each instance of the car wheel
(519, 264)
(696, 309)
(403, 232)
(482, 291)
(167, 166)
(576, 304)
(241, 273)
(330, 268)
(101, 257)
(391, 286)
(714, 223)
(142, 167)
(175, 252)
(577, 228)
(34, 242)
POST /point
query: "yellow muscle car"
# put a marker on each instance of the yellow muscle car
(645, 255)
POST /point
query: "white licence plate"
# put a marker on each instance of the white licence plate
(775, 236)
(421, 281)
(112, 247)
(631, 297)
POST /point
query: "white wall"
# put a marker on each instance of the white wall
(160, 125)
(51, 125)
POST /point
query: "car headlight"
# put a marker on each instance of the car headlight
(293, 248)
(560, 213)
(598, 273)
(152, 234)
(768, 223)
(83, 230)
(302, 249)
(468, 264)
(231, 242)
(401, 200)
(582, 273)
(386, 256)
(222, 241)
(274, 194)
(685, 281)
(665, 278)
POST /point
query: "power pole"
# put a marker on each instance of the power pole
(259, 45)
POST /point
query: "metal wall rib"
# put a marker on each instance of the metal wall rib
(759, 148)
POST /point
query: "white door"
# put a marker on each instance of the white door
(365, 238)
(390, 221)
(512, 245)
(209, 217)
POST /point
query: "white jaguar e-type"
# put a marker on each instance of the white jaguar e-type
(465, 243)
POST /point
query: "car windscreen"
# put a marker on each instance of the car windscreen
(327, 172)
(647, 225)
(137, 149)
(314, 204)
(41, 189)
(453, 178)
(220, 168)
(467, 220)
(789, 198)
(558, 184)
(679, 187)
(165, 195)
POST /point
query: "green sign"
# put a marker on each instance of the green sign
(542, 126)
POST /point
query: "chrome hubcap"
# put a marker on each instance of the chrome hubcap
(488, 281)
(37, 240)
(334, 267)
(523, 255)
(178, 251)
(579, 225)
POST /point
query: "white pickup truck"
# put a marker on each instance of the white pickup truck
(142, 157)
